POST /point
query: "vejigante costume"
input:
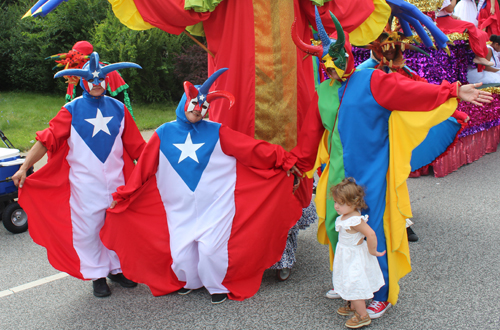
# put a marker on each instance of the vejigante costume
(91, 144)
(205, 206)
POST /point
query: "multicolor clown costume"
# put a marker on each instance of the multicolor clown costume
(207, 192)
(441, 137)
(91, 145)
(366, 125)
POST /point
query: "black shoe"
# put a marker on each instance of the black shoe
(122, 280)
(184, 291)
(219, 298)
(101, 288)
(412, 237)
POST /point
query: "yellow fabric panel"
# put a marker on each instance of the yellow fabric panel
(196, 30)
(373, 26)
(407, 129)
(322, 158)
(321, 190)
(275, 73)
(319, 2)
(201, 6)
(127, 13)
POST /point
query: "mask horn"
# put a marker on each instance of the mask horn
(308, 49)
(190, 90)
(118, 66)
(208, 83)
(221, 94)
(323, 36)
(339, 44)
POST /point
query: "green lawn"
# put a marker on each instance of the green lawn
(22, 114)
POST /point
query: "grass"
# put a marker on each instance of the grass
(23, 113)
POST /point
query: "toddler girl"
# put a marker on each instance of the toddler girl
(356, 272)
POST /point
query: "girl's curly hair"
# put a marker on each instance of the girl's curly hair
(348, 192)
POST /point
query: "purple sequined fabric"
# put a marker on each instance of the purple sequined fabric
(439, 66)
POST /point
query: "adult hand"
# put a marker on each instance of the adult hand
(19, 178)
(294, 170)
(298, 177)
(469, 93)
(113, 204)
(492, 9)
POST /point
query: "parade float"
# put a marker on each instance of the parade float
(482, 134)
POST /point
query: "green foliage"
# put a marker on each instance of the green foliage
(191, 65)
(167, 60)
(23, 114)
(153, 49)
(24, 44)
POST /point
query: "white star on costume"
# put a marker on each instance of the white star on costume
(95, 74)
(202, 97)
(100, 123)
(188, 149)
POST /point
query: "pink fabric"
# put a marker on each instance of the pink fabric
(467, 150)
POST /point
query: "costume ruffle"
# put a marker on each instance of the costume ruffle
(351, 222)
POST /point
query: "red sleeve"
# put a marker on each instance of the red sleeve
(146, 168)
(133, 142)
(254, 153)
(396, 92)
(349, 13)
(169, 15)
(309, 137)
(58, 131)
(459, 115)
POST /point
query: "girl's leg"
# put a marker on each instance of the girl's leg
(360, 307)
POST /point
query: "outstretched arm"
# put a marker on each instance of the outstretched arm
(34, 155)
(50, 139)
(254, 153)
(396, 92)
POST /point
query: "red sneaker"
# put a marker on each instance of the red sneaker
(377, 308)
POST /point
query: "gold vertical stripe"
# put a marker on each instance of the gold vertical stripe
(275, 73)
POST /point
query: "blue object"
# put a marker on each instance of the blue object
(436, 142)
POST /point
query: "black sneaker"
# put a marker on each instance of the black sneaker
(219, 298)
(122, 280)
(412, 237)
(101, 288)
(184, 291)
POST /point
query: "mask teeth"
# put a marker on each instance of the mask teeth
(103, 84)
(90, 85)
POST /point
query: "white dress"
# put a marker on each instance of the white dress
(486, 77)
(467, 11)
(356, 273)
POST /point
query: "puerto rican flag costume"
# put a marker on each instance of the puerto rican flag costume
(193, 211)
(91, 144)
(366, 125)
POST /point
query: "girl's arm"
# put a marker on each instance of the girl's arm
(371, 238)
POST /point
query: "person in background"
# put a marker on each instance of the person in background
(76, 59)
(449, 23)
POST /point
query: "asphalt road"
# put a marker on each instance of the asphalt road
(454, 283)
